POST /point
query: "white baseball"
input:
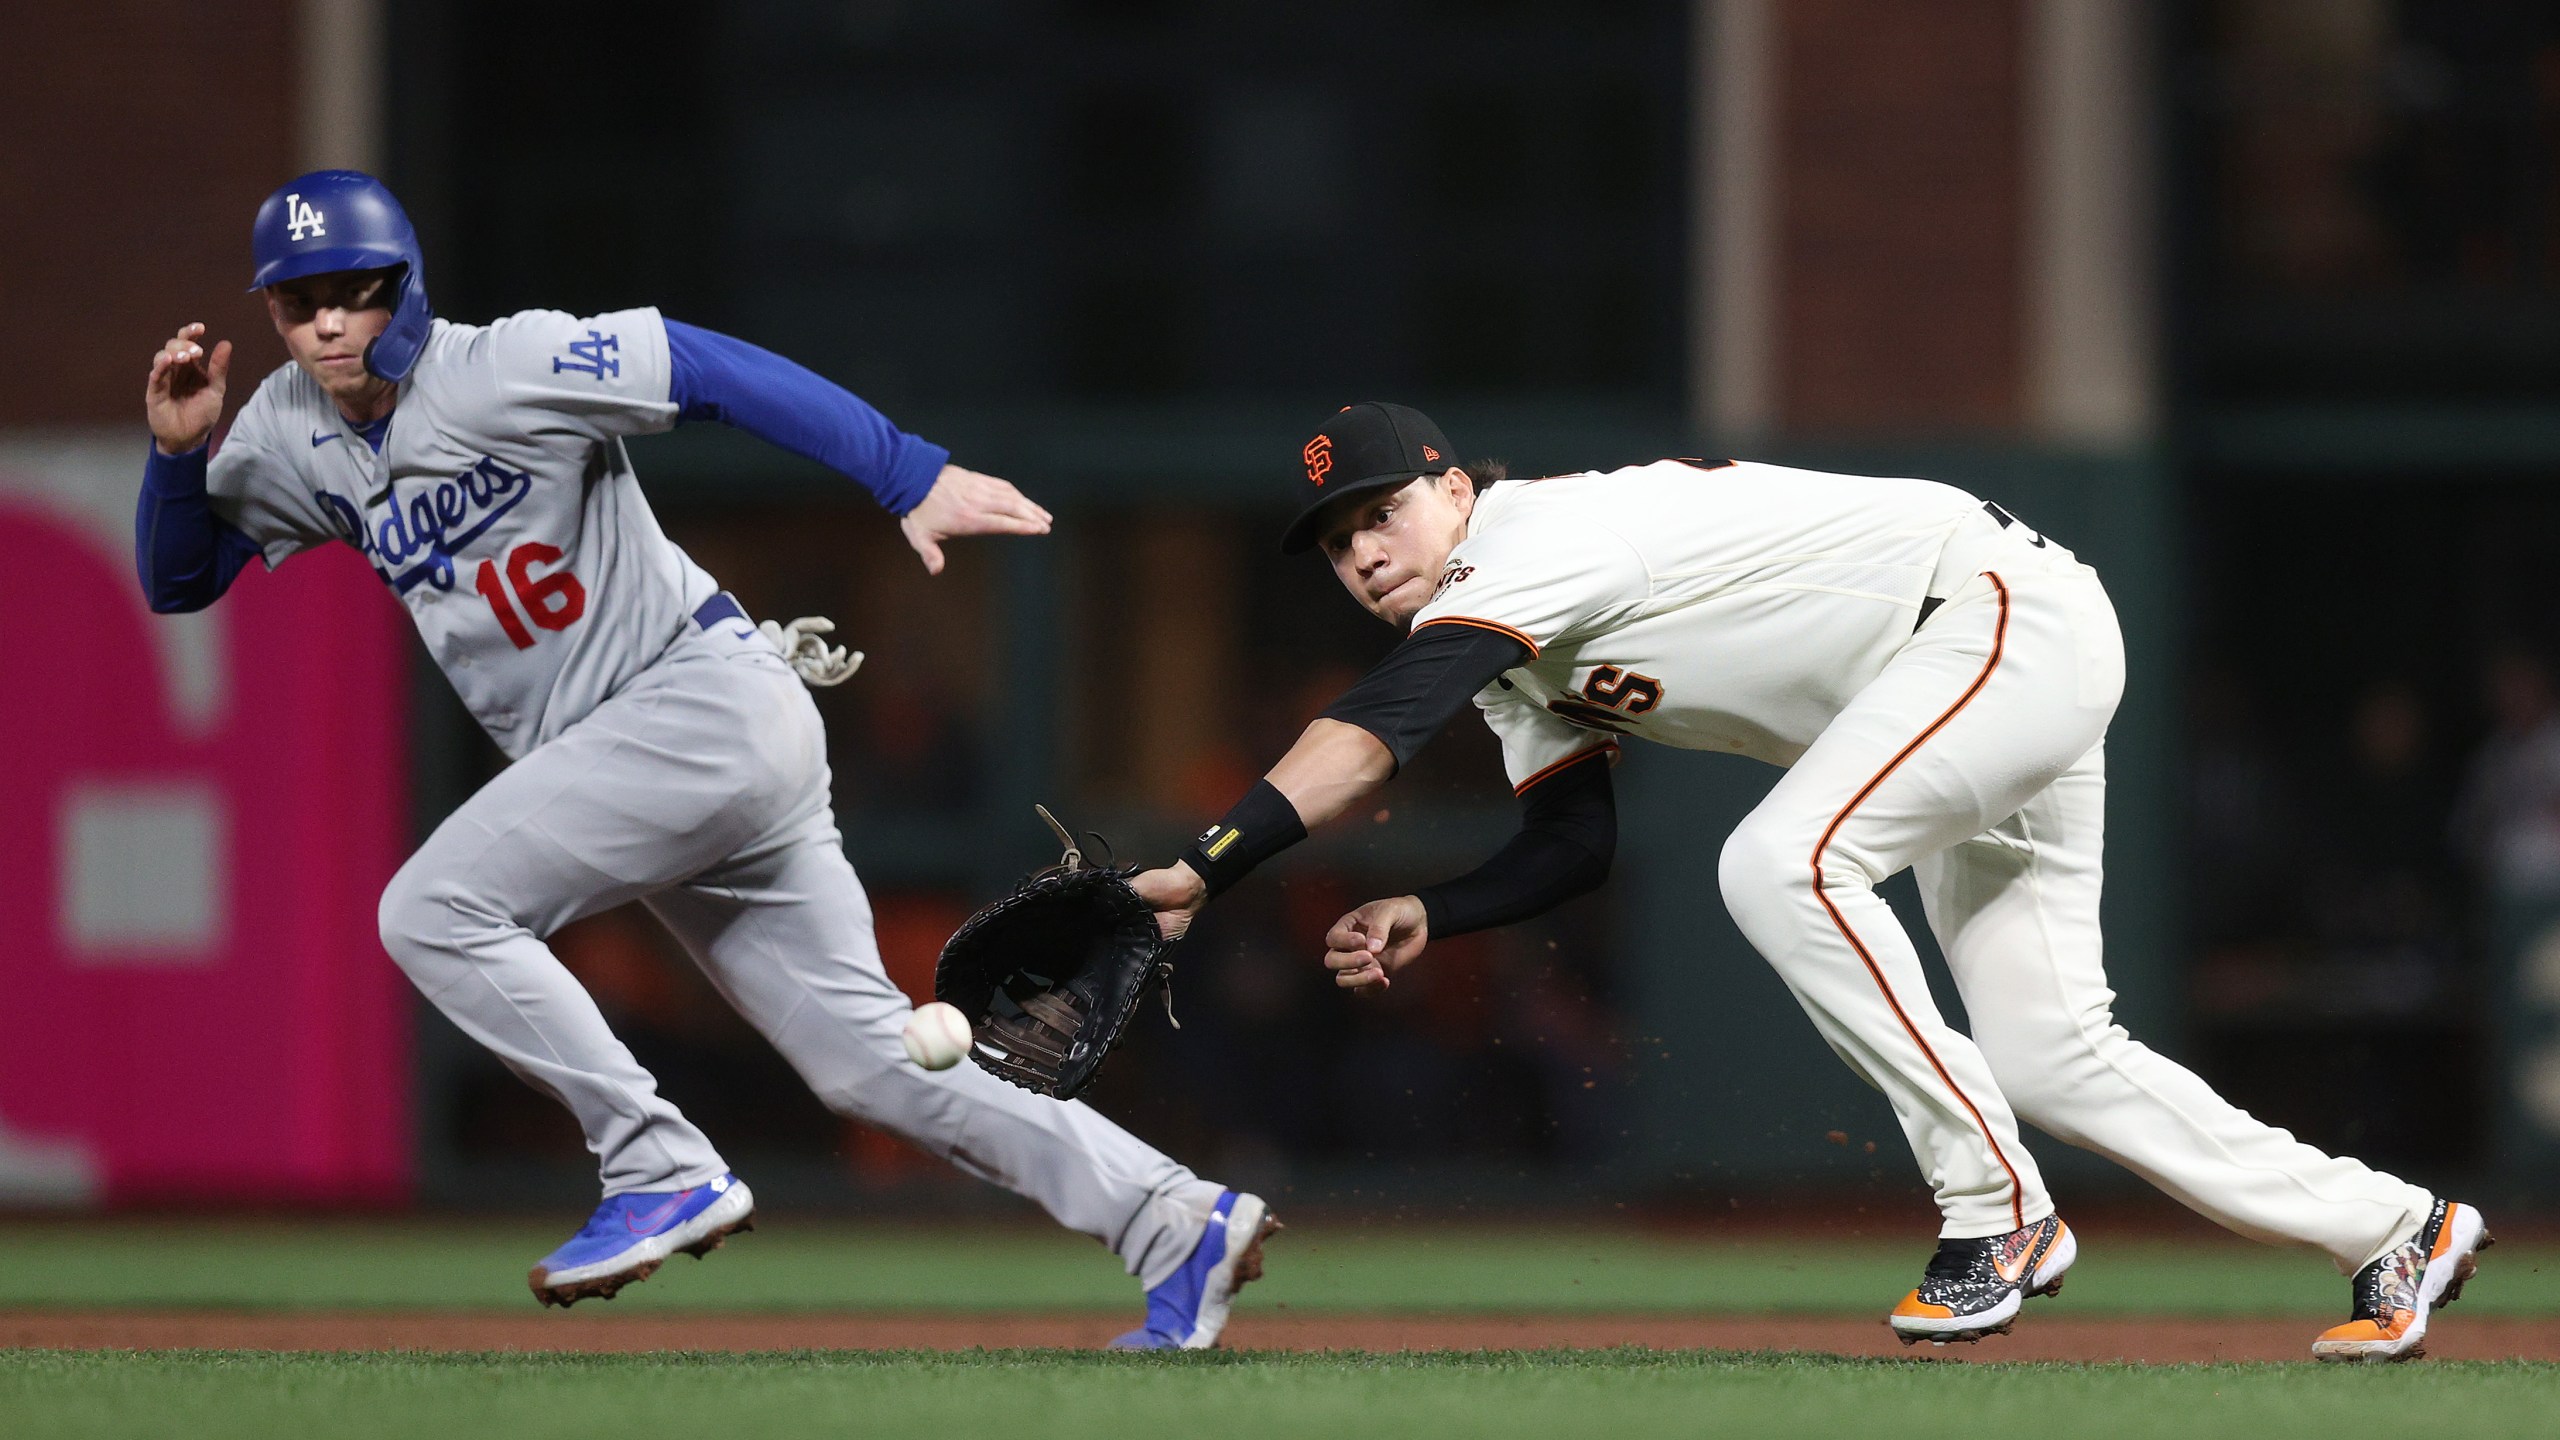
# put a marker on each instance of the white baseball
(937, 1036)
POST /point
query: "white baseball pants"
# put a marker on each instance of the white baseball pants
(1977, 759)
(702, 790)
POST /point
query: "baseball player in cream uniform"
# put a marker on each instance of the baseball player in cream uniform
(664, 747)
(1935, 680)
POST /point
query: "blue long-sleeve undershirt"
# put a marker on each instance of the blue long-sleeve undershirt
(719, 377)
(186, 555)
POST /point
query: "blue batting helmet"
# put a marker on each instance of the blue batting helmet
(347, 220)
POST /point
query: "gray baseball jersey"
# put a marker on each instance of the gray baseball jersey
(501, 509)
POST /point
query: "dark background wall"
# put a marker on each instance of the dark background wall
(124, 186)
(1093, 200)
(1126, 252)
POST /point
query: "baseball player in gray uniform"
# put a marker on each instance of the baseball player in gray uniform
(664, 747)
(1936, 681)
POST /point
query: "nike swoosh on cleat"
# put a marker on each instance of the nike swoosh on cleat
(639, 1226)
(2026, 1265)
(318, 439)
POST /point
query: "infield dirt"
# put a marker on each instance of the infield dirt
(2151, 1340)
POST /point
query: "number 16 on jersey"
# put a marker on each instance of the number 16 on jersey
(553, 601)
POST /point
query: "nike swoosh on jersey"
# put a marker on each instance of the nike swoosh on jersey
(319, 438)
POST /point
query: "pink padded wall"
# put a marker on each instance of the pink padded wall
(271, 1064)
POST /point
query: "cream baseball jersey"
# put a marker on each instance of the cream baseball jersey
(501, 507)
(1788, 615)
(1730, 607)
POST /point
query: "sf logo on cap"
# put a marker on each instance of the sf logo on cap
(1319, 458)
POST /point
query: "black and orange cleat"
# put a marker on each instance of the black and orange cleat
(2397, 1291)
(1974, 1288)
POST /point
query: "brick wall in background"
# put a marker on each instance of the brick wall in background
(1900, 208)
(129, 187)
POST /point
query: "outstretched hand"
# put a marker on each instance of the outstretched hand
(964, 503)
(1367, 946)
(183, 398)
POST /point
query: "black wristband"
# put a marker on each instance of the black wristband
(1261, 825)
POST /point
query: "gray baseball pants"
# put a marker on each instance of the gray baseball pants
(701, 790)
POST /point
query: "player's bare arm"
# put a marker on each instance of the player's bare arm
(1332, 765)
(183, 397)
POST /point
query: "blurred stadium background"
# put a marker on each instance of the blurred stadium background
(2254, 303)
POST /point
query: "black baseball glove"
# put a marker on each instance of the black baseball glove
(1050, 975)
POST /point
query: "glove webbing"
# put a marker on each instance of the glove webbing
(1032, 1046)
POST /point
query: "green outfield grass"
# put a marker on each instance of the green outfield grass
(815, 1265)
(212, 1396)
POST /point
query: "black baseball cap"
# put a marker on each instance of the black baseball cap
(1369, 446)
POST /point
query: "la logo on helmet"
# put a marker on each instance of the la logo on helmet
(301, 220)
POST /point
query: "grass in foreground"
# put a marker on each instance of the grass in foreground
(1011, 1394)
(803, 1265)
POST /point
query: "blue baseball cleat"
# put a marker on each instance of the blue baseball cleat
(1189, 1309)
(631, 1235)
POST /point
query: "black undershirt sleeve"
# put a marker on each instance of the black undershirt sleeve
(1424, 683)
(1568, 835)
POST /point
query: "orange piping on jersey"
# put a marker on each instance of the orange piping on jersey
(1496, 626)
(1605, 747)
(1999, 641)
